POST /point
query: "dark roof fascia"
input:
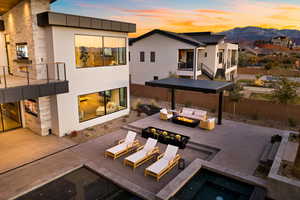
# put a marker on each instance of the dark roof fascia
(167, 34)
(50, 18)
(164, 84)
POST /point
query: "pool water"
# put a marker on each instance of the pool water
(207, 185)
(81, 184)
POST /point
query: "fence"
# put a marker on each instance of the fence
(276, 72)
(247, 107)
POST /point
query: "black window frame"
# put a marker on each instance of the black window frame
(105, 102)
(152, 56)
(142, 56)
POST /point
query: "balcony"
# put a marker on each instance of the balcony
(48, 79)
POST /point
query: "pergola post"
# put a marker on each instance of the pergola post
(220, 108)
(173, 99)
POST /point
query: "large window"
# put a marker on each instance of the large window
(101, 103)
(94, 51)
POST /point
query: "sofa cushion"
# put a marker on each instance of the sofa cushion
(200, 113)
(187, 111)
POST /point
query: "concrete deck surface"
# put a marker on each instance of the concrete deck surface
(22, 146)
(240, 144)
(91, 154)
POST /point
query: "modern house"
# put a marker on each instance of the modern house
(283, 41)
(158, 53)
(60, 72)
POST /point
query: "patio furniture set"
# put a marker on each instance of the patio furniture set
(165, 162)
(189, 117)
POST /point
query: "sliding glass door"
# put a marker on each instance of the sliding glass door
(10, 116)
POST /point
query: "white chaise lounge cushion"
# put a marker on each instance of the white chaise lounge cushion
(130, 137)
(158, 166)
(120, 147)
(150, 144)
(162, 163)
(170, 152)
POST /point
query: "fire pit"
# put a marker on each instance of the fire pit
(185, 121)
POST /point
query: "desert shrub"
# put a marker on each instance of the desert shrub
(292, 122)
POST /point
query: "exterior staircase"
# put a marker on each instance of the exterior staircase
(207, 71)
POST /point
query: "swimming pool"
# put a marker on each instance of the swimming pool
(212, 186)
(81, 184)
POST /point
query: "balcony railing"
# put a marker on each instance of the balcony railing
(185, 66)
(33, 74)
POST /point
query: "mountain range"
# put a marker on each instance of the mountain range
(251, 33)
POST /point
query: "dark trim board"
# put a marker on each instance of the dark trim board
(205, 86)
(169, 35)
(15, 94)
(76, 21)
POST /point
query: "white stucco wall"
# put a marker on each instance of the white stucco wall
(166, 58)
(211, 59)
(64, 107)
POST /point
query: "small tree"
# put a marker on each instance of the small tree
(235, 95)
(84, 55)
(285, 91)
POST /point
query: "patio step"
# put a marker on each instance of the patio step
(211, 151)
(273, 151)
(132, 128)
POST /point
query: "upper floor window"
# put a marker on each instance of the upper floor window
(94, 51)
(152, 56)
(220, 54)
(205, 54)
(142, 56)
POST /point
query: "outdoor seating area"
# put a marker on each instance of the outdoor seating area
(189, 117)
(164, 163)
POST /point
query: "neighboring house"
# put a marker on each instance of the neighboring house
(158, 53)
(61, 72)
(283, 41)
(248, 50)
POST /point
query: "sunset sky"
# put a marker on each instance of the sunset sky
(190, 15)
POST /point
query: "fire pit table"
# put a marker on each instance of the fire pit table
(185, 121)
(166, 137)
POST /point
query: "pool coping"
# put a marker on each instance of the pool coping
(181, 179)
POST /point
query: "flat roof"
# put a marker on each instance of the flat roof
(206, 86)
(75, 21)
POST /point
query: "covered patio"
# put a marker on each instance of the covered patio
(205, 86)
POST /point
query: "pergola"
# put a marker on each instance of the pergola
(205, 86)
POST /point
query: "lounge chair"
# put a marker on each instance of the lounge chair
(124, 146)
(143, 154)
(165, 162)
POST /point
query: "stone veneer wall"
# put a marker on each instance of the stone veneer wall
(21, 25)
(18, 26)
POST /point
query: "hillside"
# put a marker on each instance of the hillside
(250, 34)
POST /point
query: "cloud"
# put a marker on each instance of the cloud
(234, 13)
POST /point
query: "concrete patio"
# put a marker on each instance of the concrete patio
(239, 144)
(22, 146)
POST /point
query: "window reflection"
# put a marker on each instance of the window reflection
(93, 51)
(102, 103)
